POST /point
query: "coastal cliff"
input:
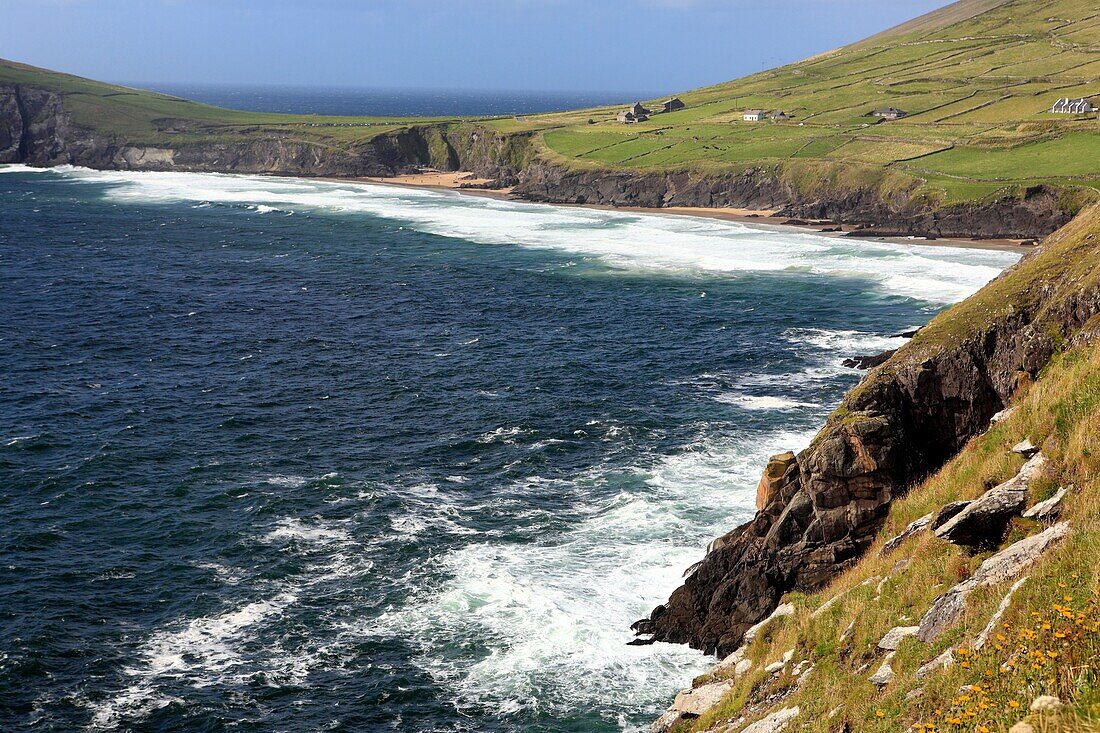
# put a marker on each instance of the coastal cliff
(1038, 211)
(929, 560)
(819, 511)
(38, 128)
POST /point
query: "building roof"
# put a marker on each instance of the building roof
(1074, 104)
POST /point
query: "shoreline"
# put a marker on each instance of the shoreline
(454, 182)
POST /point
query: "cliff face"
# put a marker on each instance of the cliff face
(1036, 214)
(755, 188)
(821, 511)
(37, 129)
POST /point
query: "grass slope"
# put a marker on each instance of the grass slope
(149, 118)
(956, 12)
(976, 77)
(1048, 641)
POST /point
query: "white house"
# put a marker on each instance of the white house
(1072, 107)
(890, 113)
(755, 115)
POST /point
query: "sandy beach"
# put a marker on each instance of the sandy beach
(461, 181)
(465, 182)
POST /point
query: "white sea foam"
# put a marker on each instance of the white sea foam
(502, 435)
(289, 482)
(556, 614)
(204, 650)
(296, 529)
(763, 402)
(20, 168)
(844, 343)
(220, 649)
(621, 240)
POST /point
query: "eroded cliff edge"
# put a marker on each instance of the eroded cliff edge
(37, 128)
(822, 509)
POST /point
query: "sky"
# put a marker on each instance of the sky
(523, 45)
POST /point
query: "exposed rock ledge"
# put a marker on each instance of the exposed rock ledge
(902, 423)
(1035, 215)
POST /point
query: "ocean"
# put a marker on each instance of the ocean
(290, 455)
(392, 102)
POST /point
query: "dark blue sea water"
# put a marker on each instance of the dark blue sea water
(391, 102)
(280, 455)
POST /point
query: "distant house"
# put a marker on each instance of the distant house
(1072, 107)
(671, 105)
(755, 115)
(635, 113)
(890, 113)
(779, 115)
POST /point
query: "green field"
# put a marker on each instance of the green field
(977, 78)
(977, 91)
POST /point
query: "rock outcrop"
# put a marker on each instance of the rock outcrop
(914, 527)
(869, 361)
(892, 639)
(1002, 566)
(775, 722)
(775, 475)
(903, 422)
(982, 522)
(1048, 510)
(995, 619)
(691, 704)
(948, 512)
(883, 676)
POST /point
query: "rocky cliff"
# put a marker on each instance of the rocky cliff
(819, 511)
(1036, 213)
(37, 128)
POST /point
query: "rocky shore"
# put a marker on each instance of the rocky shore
(819, 511)
(922, 604)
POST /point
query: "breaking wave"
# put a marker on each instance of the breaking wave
(623, 241)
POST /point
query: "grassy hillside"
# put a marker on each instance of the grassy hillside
(977, 78)
(956, 12)
(977, 90)
(148, 118)
(1047, 642)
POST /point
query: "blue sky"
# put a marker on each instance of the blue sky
(532, 45)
